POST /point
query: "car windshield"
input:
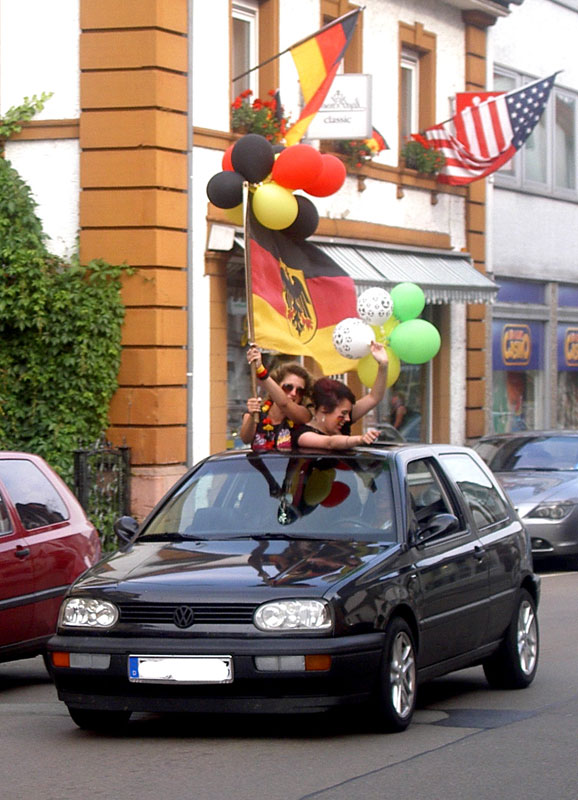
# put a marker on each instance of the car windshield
(297, 496)
(547, 453)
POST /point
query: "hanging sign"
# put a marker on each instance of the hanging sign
(346, 111)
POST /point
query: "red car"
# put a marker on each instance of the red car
(46, 542)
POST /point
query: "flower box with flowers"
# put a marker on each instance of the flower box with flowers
(419, 155)
(264, 117)
(356, 151)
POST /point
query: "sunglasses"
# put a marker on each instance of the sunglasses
(289, 387)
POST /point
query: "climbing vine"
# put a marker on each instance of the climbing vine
(60, 336)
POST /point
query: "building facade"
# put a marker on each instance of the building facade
(533, 231)
(138, 123)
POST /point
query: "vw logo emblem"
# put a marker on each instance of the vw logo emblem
(183, 617)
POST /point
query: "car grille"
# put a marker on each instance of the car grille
(204, 613)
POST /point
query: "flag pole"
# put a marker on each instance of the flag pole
(249, 289)
(300, 42)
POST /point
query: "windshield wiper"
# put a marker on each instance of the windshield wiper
(172, 537)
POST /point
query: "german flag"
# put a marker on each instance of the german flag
(317, 60)
(299, 295)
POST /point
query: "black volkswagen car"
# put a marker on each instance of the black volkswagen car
(300, 582)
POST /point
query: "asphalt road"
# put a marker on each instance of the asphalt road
(467, 741)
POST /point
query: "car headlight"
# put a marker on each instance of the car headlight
(85, 612)
(293, 615)
(554, 511)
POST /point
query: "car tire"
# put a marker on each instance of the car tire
(515, 663)
(101, 721)
(398, 679)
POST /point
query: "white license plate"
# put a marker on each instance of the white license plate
(180, 669)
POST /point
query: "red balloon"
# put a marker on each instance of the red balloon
(330, 179)
(226, 163)
(339, 492)
(297, 166)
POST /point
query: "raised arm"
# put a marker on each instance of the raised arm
(377, 391)
(248, 425)
(290, 408)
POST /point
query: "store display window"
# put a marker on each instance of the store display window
(518, 375)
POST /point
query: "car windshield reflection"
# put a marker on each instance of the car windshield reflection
(543, 453)
(281, 496)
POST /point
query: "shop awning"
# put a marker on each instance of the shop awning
(445, 277)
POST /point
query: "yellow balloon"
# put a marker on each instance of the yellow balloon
(367, 369)
(383, 332)
(394, 367)
(235, 215)
(318, 486)
(274, 206)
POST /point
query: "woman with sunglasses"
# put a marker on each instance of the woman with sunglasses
(283, 408)
(335, 408)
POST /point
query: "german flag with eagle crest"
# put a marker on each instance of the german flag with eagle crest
(299, 294)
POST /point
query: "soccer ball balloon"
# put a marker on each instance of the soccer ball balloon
(352, 338)
(375, 306)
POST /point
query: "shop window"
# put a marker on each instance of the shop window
(417, 80)
(546, 164)
(518, 375)
(567, 406)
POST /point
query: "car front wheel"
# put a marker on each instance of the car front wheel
(398, 679)
(515, 664)
(101, 721)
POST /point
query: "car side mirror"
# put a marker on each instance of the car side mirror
(126, 529)
(437, 525)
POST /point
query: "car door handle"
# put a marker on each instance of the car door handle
(479, 553)
(22, 552)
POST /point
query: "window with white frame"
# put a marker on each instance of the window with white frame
(546, 163)
(409, 106)
(245, 45)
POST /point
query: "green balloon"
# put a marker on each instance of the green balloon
(408, 301)
(415, 341)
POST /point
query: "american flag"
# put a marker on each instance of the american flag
(480, 139)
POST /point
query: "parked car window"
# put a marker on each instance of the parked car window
(428, 496)
(484, 500)
(531, 452)
(36, 500)
(296, 496)
(5, 524)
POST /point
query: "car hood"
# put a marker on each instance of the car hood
(527, 488)
(229, 568)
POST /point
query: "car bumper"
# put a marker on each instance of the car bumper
(351, 678)
(550, 539)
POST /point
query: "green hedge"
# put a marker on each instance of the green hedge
(60, 337)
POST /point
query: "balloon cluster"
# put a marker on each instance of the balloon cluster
(389, 318)
(273, 174)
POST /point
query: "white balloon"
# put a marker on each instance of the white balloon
(375, 306)
(352, 338)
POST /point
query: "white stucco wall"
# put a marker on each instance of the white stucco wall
(536, 236)
(39, 53)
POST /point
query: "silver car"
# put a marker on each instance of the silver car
(539, 471)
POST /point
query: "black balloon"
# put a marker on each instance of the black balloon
(253, 157)
(225, 189)
(306, 221)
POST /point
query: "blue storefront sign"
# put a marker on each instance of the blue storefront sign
(567, 347)
(517, 346)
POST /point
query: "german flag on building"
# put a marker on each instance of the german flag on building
(299, 294)
(317, 60)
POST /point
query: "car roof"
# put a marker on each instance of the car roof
(526, 435)
(378, 448)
